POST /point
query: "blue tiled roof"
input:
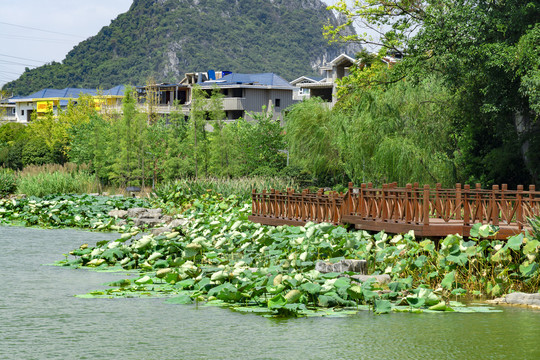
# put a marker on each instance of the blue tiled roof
(64, 93)
(117, 90)
(74, 93)
(263, 79)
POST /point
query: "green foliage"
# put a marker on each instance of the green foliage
(222, 258)
(311, 139)
(243, 36)
(8, 183)
(484, 53)
(180, 193)
(401, 133)
(42, 184)
(253, 147)
(82, 211)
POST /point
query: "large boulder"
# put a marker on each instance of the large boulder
(357, 266)
(135, 212)
(118, 214)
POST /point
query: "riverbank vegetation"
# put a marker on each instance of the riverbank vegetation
(220, 258)
(445, 107)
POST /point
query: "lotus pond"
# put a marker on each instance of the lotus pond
(41, 319)
(219, 258)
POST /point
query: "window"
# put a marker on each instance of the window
(22, 112)
(278, 102)
(237, 92)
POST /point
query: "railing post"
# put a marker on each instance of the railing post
(438, 203)
(263, 208)
(530, 206)
(519, 207)
(383, 202)
(504, 204)
(361, 208)
(466, 205)
(350, 203)
(494, 208)
(426, 205)
(457, 206)
(479, 205)
(407, 205)
(253, 203)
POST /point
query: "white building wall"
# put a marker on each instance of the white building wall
(23, 110)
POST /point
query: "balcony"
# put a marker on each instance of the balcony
(234, 104)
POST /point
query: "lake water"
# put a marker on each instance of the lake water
(41, 319)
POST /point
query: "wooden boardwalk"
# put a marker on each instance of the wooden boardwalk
(429, 212)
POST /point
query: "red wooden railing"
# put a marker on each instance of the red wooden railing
(428, 211)
(292, 208)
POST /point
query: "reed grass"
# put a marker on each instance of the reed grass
(56, 179)
(241, 187)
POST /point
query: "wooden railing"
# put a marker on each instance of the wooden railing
(428, 211)
(276, 208)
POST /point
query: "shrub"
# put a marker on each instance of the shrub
(41, 184)
(8, 184)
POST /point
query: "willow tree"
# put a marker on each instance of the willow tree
(484, 52)
(310, 137)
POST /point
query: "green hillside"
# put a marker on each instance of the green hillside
(163, 39)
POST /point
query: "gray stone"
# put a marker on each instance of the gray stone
(381, 279)
(176, 223)
(118, 214)
(159, 230)
(519, 298)
(135, 212)
(150, 222)
(152, 213)
(357, 266)
(166, 218)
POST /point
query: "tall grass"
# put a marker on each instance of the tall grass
(56, 179)
(8, 183)
(241, 187)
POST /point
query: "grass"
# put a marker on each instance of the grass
(56, 179)
(241, 187)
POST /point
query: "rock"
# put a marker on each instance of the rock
(519, 298)
(159, 230)
(152, 213)
(166, 218)
(358, 266)
(135, 212)
(176, 223)
(381, 279)
(149, 222)
(121, 223)
(118, 214)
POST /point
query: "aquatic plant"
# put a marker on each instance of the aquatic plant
(56, 211)
(221, 258)
(8, 183)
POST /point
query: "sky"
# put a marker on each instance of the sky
(36, 32)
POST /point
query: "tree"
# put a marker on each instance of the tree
(483, 51)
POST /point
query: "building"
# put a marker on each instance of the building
(326, 88)
(54, 100)
(243, 94)
(300, 93)
(7, 110)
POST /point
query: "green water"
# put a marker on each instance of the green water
(40, 319)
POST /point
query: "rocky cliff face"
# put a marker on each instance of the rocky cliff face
(163, 39)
